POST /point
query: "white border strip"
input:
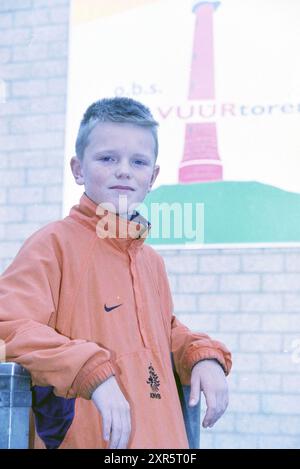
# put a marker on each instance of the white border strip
(200, 162)
(226, 246)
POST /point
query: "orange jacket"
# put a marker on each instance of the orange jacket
(77, 307)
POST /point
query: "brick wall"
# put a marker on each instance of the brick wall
(250, 300)
(33, 75)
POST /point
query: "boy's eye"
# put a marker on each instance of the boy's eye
(139, 162)
(106, 158)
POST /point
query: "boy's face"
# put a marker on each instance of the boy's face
(119, 160)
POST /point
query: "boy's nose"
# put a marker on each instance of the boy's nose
(123, 171)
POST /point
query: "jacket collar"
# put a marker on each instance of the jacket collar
(116, 230)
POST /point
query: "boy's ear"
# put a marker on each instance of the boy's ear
(76, 168)
(154, 176)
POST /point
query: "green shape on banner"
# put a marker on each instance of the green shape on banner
(232, 212)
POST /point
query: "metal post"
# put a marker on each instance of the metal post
(15, 404)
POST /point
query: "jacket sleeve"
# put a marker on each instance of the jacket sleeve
(29, 295)
(189, 347)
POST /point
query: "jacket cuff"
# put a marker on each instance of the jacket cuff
(91, 375)
(196, 354)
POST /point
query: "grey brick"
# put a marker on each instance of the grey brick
(290, 424)
(47, 3)
(3, 195)
(260, 342)
(280, 323)
(44, 176)
(3, 162)
(9, 249)
(199, 322)
(28, 159)
(176, 264)
(259, 382)
(2, 232)
(47, 105)
(240, 283)
(263, 263)
(4, 130)
(239, 322)
(244, 403)
(6, 20)
(173, 283)
(43, 213)
(33, 105)
(235, 441)
(54, 194)
(8, 5)
(279, 363)
(60, 15)
(231, 380)
(50, 33)
(210, 303)
(30, 124)
(246, 362)
(281, 282)
(57, 86)
(25, 195)
(12, 177)
(56, 122)
(58, 49)
(229, 340)
(30, 52)
(51, 159)
(49, 68)
(14, 107)
(261, 302)
(278, 442)
(33, 141)
(11, 213)
(5, 55)
(15, 36)
(206, 440)
(218, 264)
(32, 17)
(292, 302)
(185, 303)
(292, 262)
(29, 88)
(225, 424)
(16, 71)
(258, 424)
(290, 341)
(280, 404)
(20, 231)
(197, 283)
(291, 384)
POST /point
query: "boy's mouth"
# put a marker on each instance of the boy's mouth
(122, 188)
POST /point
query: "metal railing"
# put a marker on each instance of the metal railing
(16, 400)
(15, 404)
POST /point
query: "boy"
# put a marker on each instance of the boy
(86, 306)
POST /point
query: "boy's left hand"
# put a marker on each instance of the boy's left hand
(208, 376)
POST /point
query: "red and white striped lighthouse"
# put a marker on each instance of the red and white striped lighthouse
(201, 161)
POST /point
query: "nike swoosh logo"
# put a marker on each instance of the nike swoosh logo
(110, 308)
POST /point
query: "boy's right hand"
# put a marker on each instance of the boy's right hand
(115, 411)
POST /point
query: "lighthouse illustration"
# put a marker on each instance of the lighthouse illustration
(201, 161)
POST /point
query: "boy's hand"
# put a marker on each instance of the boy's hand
(208, 376)
(115, 411)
